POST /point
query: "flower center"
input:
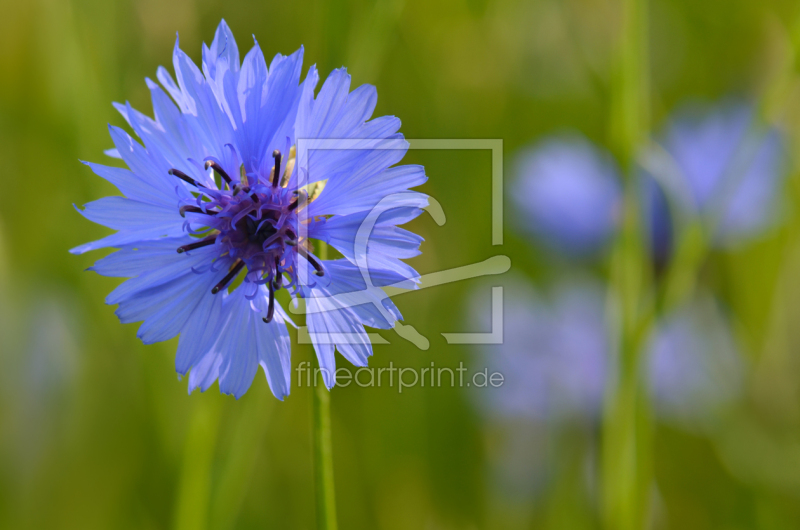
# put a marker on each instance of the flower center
(255, 225)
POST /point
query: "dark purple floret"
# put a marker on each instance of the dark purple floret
(186, 178)
(258, 228)
(275, 180)
(200, 244)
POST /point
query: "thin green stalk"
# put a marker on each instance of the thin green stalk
(627, 426)
(323, 447)
(323, 457)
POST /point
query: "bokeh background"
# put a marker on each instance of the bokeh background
(97, 432)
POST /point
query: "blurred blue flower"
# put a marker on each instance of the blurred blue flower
(718, 164)
(241, 123)
(694, 365)
(568, 194)
(555, 355)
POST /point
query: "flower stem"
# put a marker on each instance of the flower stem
(627, 426)
(323, 447)
(323, 457)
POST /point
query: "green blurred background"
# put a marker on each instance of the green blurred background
(95, 429)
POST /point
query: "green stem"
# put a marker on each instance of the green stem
(323, 447)
(627, 426)
(323, 457)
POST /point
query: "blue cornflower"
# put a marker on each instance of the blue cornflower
(694, 365)
(719, 166)
(569, 194)
(222, 189)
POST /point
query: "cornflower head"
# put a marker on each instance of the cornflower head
(222, 203)
(717, 164)
(570, 191)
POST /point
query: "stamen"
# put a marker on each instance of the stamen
(218, 169)
(277, 156)
(184, 177)
(292, 241)
(314, 263)
(194, 209)
(302, 198)
(228, 277)
(199, 244)
(271, 307)
(278, 280)
(239, 187)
